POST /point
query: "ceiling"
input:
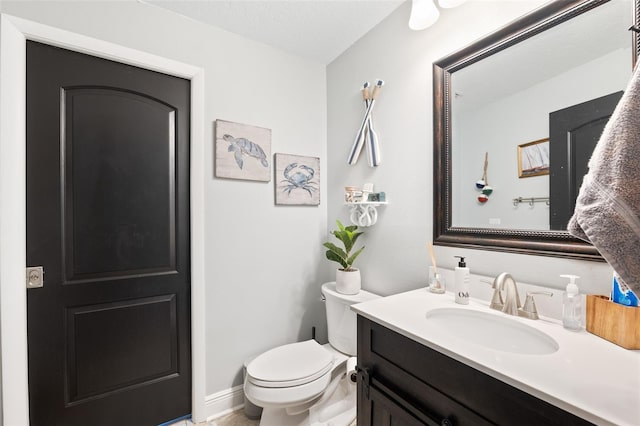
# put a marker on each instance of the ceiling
(318, 30)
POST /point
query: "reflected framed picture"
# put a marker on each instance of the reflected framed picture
(533, 158)
(297, 180)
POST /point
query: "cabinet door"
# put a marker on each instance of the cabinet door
(386, 412)
(380, 406)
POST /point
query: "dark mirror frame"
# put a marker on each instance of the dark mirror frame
(542, 243)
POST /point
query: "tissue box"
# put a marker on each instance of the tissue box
(614, 322)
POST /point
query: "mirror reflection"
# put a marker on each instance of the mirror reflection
(531, 114)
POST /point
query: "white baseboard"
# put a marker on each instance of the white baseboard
(224, 402)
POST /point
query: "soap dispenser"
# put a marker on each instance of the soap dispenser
(572, 305)
(461, 282)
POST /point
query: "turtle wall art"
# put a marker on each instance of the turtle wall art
(242, 151)
(297, 180)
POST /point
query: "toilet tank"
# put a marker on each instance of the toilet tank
(341, 320)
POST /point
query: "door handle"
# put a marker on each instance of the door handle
(35, 277)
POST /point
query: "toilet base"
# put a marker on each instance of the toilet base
(339, 409)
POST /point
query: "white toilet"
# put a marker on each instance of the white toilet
(305, 383)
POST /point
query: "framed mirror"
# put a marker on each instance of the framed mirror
(509, 155)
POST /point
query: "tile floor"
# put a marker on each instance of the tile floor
(237, 418)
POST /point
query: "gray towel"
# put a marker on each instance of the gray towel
(607, 212)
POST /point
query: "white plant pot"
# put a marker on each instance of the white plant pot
(348, 282)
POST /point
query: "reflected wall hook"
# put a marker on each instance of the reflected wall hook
(530, 200)
(634, 29)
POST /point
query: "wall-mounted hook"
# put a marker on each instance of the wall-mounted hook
(634, 29)
(530, 200)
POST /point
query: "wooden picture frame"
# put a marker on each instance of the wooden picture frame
(533, 158)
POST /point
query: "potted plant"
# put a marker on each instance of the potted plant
(347, 277)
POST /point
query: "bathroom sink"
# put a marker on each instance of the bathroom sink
(492, 331)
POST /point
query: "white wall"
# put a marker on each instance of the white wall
(263, 262)
(395, 258)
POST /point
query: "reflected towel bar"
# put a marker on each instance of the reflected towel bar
(530, 200)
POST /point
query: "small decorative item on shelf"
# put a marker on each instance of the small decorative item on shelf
(483, 184)
(367, 189)
(348, 280)
(350, 193)
(377, 197)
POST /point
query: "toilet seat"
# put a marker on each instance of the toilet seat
(290, 365)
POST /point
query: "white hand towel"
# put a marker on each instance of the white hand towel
(607, 212)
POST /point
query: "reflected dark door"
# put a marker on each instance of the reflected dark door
(108, 219)
(573, 134)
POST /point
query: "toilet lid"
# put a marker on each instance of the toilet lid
(290, 365)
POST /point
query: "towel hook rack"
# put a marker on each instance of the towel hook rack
(530, 200)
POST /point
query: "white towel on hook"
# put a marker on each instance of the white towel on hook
(607, 212)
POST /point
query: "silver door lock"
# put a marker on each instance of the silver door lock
(35, 277)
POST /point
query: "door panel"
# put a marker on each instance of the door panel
(110, 135)
(108, 219)
(139, 335)
(573, 135)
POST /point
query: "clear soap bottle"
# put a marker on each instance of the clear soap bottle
(572, 305)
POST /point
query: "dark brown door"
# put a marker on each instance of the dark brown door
(108, 219)
(573, 134)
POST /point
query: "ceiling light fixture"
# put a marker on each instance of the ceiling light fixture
(447, 4)
(423, 14)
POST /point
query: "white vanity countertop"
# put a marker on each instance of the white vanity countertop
(588, 376)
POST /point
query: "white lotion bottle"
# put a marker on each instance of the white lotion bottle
(461, 282)
(572, 305)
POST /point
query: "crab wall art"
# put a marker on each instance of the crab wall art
(297, 180)
(242, 151)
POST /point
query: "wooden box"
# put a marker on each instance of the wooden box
(614, 322)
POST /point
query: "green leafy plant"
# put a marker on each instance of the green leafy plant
(348, 235)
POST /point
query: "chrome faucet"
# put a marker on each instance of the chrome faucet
(529, 309)
(496, 300)
(510, 304)
(505, 282)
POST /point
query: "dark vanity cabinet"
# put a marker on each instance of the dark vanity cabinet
(404, 383)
